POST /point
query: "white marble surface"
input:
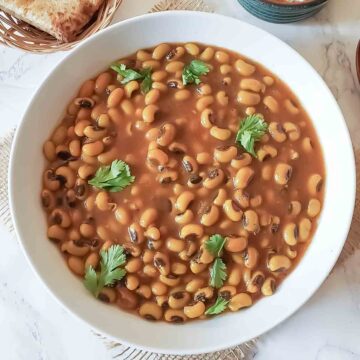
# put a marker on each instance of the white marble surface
(34, 326)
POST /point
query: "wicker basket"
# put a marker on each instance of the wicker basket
(17, 33)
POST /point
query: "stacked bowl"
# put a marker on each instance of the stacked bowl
(283, 11)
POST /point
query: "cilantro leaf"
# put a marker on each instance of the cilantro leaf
(146, 84)
(215, 244)
(218, 273)
(251, 129)
(130, 74)
(114, 177)
(219, 306)
(192, 72)
(110, 272)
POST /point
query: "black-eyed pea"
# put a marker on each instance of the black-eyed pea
(87, 88)
(220, 197)
(160, 51)
(204, 294)
(56, 233)
(265, 152)
(147, 256)
(278, 263)
(94, 133)
(294, 208)
(107, 295)
(101, 82)
(291, 107)
(76, 265)
(268, 287)
(49, 150)
(122, 215)
(204, 102)
(207, 54)
(304, 229)
(115, 115)
(226, 153)
(174, 316)
(290, 253)
(170, 280)
(92, 260)
(283, 173)
(194, 181)
(159, 86)
(162, 263)
(204, 256)
(215, 178)
(250, 221)
(192, 49)
(143, 55)
(232, 210)
(222, 57)
(59, 135)
(243, 177)
(148, 217)
(267, 172)
(193, 285)
(196, 267)
(191, 232)
(182, 95)
(292, 130)
(157, 157)
(87, 230)
(238, 258)
(174, 66)
(91, 160)
(103, 201)
(235, 276)
(177, 300)
(307, 145)
(185, 217)
(314, 184)
(195, 310)
(60, 217)
(250, 110)
(252, 85)
(152, 96)
(204, 158)
(65, 175)
(277, 131)
(175, 245)
(183, 201)
(251, 257)
(241, 160)
(48, 199)
(226, 292)
(150, 270)
(244, 68)
(151, 64)
(115, 97)
(220, 133)
(242, 198)
(86, 172)
(240, 301)
(210, 215)
(158, 288)
(291, 234)
(190, 250)
(271, 103)
(93, 149)
(166, 134)
(149, 113)
(225, 69)
(134, 265)
(152, 233)
(162, 301)
(167, 176)
(248, 98)
(235, 244)
(178, 268)
(207, 118)
(89, 202)
(136, 233)
(150, 311)
(126, 299)
(268, 80)
(222, 98)
(256, 281)
(190, 165)
(80, 127)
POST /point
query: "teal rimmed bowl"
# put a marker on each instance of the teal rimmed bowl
(273, 11)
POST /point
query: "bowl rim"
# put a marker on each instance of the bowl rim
(20, 232)
(271, 4)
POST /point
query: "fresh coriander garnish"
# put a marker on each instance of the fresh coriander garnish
(192, 72)
(130, 74)
(114, 177)
(251, 129)
(219, 306)
(110, 272)
(218, 273)
(215, 244)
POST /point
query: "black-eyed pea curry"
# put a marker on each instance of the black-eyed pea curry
(183, 181)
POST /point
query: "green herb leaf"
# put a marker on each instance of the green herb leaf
(215, 244)
(219, 306)
(130, 74)
(251, 129)
(218, 273)
(146, 84)
(114, 177)
(110, 272)
(192, 72)
(127, 74)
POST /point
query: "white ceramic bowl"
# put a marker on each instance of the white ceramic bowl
(94, 55)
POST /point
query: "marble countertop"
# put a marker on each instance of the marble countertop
(35, 326)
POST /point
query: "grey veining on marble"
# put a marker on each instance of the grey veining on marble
(35, 326)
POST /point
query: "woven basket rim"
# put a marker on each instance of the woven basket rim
(19, 34)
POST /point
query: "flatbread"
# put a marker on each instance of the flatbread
(63, 19)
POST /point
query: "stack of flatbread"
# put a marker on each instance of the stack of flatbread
(63, 19)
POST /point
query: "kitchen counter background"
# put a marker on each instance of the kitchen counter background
(35, 326)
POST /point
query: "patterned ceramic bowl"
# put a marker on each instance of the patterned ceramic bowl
(283, 11)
